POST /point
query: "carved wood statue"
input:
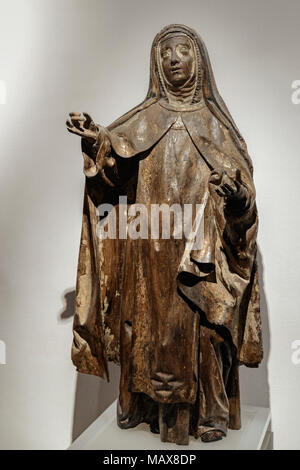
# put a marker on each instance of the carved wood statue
(179, 318)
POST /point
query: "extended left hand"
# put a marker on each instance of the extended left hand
(227, 187)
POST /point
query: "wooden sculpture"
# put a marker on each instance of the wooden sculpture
(178, 317)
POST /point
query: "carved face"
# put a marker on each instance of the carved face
(177, 59)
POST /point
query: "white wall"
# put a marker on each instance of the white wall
(58, 56)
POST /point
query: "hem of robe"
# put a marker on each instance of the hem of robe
(214, 424)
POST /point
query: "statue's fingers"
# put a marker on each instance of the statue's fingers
(74, 130)
(225, 190)
(74, 117)
(230, 188)
(219, 193)
(238, 176)
(71, 127)
(77, 121)
(238, 180)
(74, 114)
(237, 186)
(88, 121)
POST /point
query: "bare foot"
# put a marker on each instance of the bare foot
(211, 436)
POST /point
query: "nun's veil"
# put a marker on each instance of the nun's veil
(209, 90)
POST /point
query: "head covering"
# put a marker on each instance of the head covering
(186, 93)
(205, 88)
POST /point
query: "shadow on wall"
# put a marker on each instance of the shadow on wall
(255, 388)
(93, 394)
(68, 312)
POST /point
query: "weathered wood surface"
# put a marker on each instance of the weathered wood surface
(178, 318)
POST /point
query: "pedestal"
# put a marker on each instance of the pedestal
(104, 434)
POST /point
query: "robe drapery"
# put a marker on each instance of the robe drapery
(146, 303)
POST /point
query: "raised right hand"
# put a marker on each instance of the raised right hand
(84, 126)
(96, 156)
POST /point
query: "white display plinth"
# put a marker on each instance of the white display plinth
(104, 434)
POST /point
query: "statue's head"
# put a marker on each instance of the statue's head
(177, 59)
(181, 77)
(176, 64)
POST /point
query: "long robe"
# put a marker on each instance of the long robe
(147, 303)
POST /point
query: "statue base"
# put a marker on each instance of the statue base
(104, 434)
